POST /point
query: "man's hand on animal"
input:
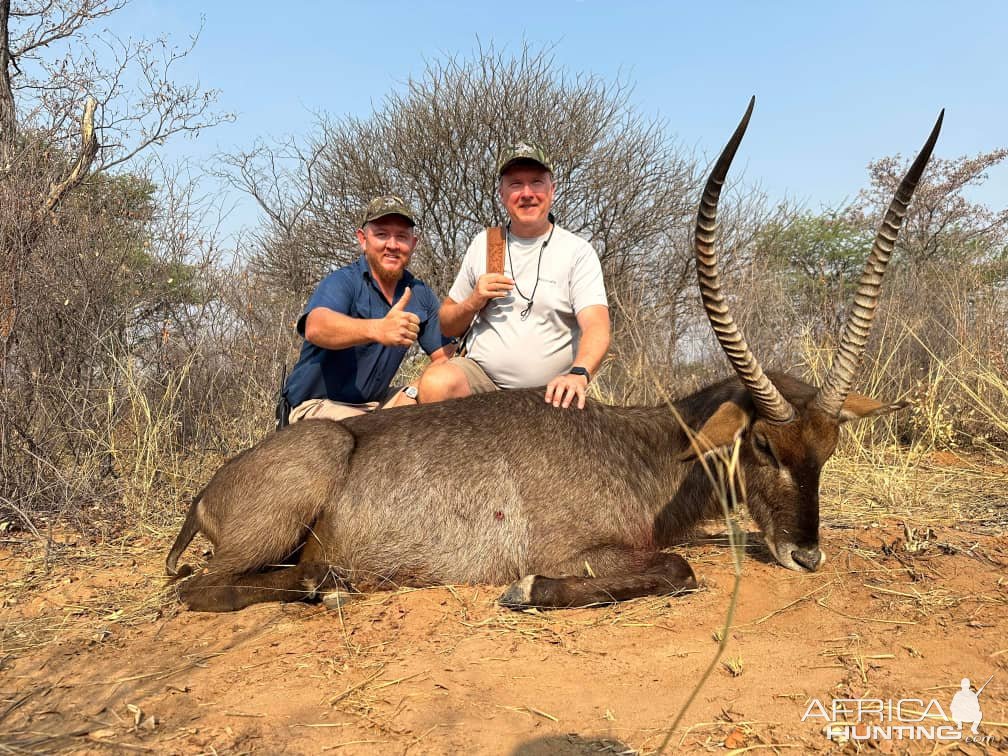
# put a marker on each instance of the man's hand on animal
(563, 389)
(398, 328)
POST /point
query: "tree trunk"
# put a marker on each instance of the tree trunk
(8, 123)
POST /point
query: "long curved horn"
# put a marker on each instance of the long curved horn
(855, 332)
(769, 402)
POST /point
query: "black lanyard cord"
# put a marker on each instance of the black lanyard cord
(531, 300)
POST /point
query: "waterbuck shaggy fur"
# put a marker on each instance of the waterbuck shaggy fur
(503, 487)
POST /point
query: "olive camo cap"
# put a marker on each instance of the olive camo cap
(526, 149)
(387, 204)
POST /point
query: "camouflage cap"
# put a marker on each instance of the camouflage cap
(387, 204)
(525, 149)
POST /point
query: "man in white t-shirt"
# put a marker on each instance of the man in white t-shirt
(545, 320)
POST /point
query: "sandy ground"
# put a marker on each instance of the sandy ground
(96, 658)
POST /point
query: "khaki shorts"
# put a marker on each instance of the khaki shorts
(327, 409)
(479, 381)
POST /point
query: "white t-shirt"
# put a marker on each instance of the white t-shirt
(520, 353)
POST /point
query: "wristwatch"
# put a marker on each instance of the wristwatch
(411, 392)
(577, 370)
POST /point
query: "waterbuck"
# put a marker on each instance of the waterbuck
(499, 486)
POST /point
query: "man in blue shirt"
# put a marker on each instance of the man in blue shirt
(360, 322)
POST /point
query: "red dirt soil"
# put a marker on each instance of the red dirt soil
(94, 661)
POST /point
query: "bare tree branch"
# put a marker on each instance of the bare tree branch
(55, 20)
(81, 166)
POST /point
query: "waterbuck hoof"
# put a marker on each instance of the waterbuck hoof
(682, 574)
(519, 594)
(181, 573)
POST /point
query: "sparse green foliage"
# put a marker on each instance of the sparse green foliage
(820, 258)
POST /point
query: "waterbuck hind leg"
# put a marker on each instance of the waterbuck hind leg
(663, 574)
(228, 591)
(189, 529)
(223, 592)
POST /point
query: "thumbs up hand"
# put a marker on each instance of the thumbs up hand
(403, 300)
(399, 328)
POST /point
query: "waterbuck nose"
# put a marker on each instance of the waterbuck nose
(810, 559)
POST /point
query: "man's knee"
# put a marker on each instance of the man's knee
(443, 381)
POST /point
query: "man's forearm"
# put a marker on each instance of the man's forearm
(455, 316)
(591, 351)
(334, 330)
(595, 334)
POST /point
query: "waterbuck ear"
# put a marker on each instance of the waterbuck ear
(721, 429)
(858, 407)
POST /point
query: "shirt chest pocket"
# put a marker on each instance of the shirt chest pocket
(368, 304)
(551, 296)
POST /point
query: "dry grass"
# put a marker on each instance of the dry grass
(945, 458)
(95, 612)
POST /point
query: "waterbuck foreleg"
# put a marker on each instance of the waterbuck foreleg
(656, 574)
(226, 592)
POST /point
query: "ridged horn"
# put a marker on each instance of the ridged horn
(769, 402)
(854, 337)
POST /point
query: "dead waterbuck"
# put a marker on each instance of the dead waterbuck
(499, 486)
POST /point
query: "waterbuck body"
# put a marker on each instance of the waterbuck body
(504, 487)
(426, 495)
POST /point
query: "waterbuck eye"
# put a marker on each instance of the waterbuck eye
(763, 446)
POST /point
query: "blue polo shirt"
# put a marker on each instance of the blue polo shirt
(360, 373)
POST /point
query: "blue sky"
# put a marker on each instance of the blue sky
(837, 84)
